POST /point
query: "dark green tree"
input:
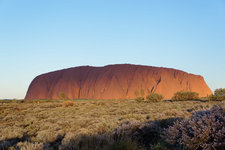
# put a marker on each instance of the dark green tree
(219, 95)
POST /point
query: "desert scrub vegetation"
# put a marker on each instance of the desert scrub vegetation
(185, 95)
(154, 97)
(90, 124)
(68, 103)
(140, 99)
(219, 95)
(62, 96)
(204, 130)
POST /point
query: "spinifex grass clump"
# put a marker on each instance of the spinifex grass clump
(204, 130)
(219, 95)
(140, 99)
(154, 97)
(67, 103)
(185, 95)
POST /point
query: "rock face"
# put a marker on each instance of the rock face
(114, 82)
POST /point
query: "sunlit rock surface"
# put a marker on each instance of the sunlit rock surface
(114, 82)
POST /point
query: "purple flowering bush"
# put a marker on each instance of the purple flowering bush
(204, 130)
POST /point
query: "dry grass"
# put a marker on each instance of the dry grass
(47, 124)
(67, 103)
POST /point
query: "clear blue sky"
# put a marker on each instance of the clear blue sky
(39, 36)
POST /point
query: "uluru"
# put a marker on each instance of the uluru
(119, 81)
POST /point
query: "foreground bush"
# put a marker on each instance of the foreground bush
(145, 135)
(185, 95)
(204, 130)
(126, 144)
(154, 97)
(30, 146)
(219, 95)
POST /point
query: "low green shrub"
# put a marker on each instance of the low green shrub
(219, 95)
(140, 99)
(154, 97)
(185, 95)
(63, 96)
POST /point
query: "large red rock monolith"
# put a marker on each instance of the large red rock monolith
(114, 82)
